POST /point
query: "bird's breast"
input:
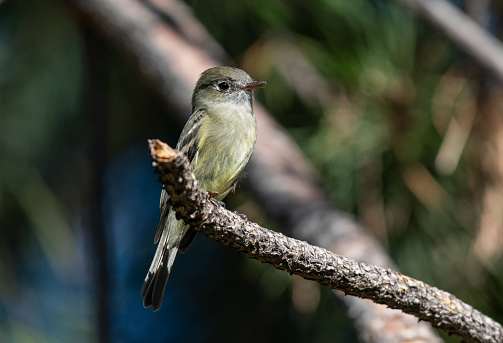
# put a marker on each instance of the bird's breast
(225, 145)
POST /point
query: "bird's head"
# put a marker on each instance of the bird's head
(224, 84)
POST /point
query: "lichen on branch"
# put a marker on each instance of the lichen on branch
(363, 280)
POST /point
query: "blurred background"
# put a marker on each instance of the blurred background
(405, 130)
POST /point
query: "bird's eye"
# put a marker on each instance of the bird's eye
(223, 86)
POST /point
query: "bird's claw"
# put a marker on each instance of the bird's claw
(243, 216)
(217, 202)
(212, 194)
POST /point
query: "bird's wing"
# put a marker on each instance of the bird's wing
(164, 205)
(188, 144)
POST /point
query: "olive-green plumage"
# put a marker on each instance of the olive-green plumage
(219, 139)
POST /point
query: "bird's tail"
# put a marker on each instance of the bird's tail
(152, 290)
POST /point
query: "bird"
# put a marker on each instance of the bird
(218, 139)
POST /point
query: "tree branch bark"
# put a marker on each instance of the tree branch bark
(469, 36)
(297, 257)
(170, 54)
(94, 109)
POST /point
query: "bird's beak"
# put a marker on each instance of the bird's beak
(251, 85)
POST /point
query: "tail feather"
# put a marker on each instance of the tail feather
(152, 290)
(172, 235)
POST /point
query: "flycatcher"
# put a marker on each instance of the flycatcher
(218, 139)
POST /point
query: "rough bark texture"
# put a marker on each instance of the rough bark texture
(171, 50)
(297, 257)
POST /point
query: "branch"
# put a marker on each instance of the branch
(363, 280)
(470, 37)
(285, 184)
(96, 138)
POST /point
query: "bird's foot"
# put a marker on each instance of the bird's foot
(243, 216)
(215, 201)
(212, 194)
(218, 202)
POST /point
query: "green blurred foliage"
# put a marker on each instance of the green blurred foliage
(372, 116)
(374, 135)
